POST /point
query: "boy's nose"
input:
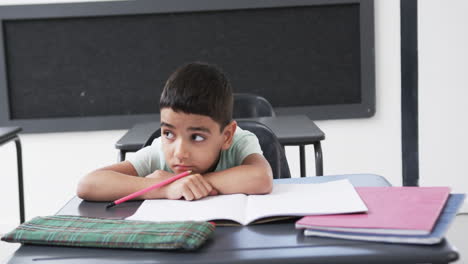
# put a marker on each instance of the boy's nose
(181, 150)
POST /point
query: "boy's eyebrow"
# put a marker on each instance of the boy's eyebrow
(167, 124)
(202, 129)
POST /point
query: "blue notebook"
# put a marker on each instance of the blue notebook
(454, 202)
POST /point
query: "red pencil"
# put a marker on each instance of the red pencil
(147, 189)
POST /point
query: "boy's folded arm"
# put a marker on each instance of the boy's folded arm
(253, 176)
(114, 182)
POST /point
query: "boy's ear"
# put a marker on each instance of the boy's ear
(228, 134)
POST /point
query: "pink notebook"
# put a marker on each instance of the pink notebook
(392, 210)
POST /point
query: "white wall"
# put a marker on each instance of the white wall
(372, 145)
(53, 162)
(443, 93)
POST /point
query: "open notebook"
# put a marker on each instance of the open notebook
(285, 200)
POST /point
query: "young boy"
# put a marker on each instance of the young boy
(197, 134)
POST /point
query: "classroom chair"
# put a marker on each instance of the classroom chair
(271, 147)
(251, 105)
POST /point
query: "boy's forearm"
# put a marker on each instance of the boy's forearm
(246, 179)
(106, 185)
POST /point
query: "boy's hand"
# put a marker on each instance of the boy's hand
(190, 188)
(161, 175)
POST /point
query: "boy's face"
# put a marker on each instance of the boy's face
(193, 142)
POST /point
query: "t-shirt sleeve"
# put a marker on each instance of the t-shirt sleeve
(146, 160)
(244, 146)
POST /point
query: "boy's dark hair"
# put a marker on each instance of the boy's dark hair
(199, 88)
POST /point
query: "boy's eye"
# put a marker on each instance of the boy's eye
(197, 138)
(168, 134)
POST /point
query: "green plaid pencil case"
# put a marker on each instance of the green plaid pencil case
(79, 231)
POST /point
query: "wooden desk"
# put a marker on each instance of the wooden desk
(8, 134)
(264, 243)
(291, 131)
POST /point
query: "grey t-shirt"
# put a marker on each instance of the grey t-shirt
(151, 158)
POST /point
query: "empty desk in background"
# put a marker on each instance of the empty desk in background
(276, 242)
(296, 130)
(8, 134)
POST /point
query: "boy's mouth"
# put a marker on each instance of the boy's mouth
(182, 168)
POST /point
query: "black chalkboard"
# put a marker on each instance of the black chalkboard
(300, 58)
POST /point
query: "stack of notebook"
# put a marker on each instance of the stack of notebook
(416, 215)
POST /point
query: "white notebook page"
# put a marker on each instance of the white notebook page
(285, 200)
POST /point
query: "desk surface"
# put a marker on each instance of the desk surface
(272, 243)
(7, 133)
(290, 130)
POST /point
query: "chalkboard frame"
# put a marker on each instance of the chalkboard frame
(90, 9)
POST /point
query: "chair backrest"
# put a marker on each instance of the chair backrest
(250, 105)
(156, 134)
(272, 149)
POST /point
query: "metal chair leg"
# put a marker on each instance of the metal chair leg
(20, 178)
(318, 159)
(302, 160)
